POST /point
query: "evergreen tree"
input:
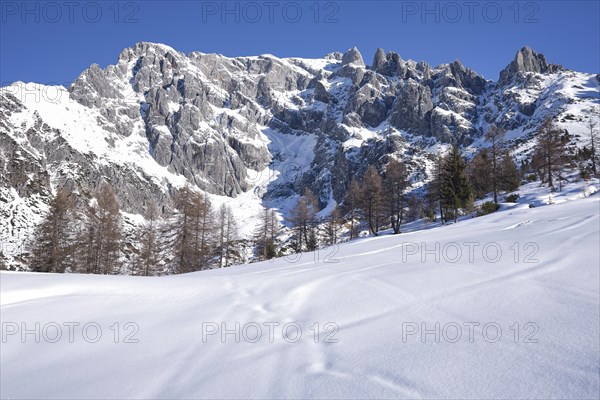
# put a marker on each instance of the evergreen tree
(510, 176)
(480, 173)
(54, 237)
(456, 188)
(394, 185)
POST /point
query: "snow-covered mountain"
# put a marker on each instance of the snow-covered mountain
(506, 307)
(241, 127)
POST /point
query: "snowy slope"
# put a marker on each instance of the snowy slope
(375, 290)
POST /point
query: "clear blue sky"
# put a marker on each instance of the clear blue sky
(55, 41)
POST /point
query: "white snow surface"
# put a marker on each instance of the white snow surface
(374, 289)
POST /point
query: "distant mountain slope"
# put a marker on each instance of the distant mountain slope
(241, 127)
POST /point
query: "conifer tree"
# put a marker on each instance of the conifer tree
(435, 189)
(550, 154)
(372, 199)
(304, 222)
(480, 173)
(267, 234)
(456, 188)
(100, 238)
(593, 137)
(182, 226)
(352, 207)
(394, 185)
(54, 238)
(510, 176)
(228, 236)
(149, 257)
(331, 228)
(204, 229)
(194, 231)
(495, 134)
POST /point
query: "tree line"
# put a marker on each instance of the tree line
(92, 239)
(195, 235)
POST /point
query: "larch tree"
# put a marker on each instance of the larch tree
(593, 138)
(372, 199)
(54, 238)
(331, 227)
(352, 207)
(204, 229)
(228, 236)
(394, 184)
(185, 226)
(495, 135)
(149, 257)
(550, 154)
(266, 234)
(303, 218)
(436, 186)
(102, 233)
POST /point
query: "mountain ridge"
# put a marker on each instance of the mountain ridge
(242, 127)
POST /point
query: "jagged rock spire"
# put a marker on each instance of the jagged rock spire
(354, 57)
(526, 60)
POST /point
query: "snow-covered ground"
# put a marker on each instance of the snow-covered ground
(509, 309)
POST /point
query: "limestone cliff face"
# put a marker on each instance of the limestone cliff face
(159, 118)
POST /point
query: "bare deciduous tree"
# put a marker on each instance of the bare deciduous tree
(372, 199)
(550, 153)
(54, 238)
(394, 184)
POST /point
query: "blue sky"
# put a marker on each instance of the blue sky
(54, 41)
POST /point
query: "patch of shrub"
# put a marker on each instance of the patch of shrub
(487, 208)
(531, 178)
(511, 198)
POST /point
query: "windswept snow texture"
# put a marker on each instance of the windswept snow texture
(375, 290)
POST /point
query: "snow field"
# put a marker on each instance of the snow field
(528, 324)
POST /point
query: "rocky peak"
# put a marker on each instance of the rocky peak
(144, 48)
(390, 64)
(467, 78)
(335, 55)
(354, 57)
(526, 60)
(379, 59)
